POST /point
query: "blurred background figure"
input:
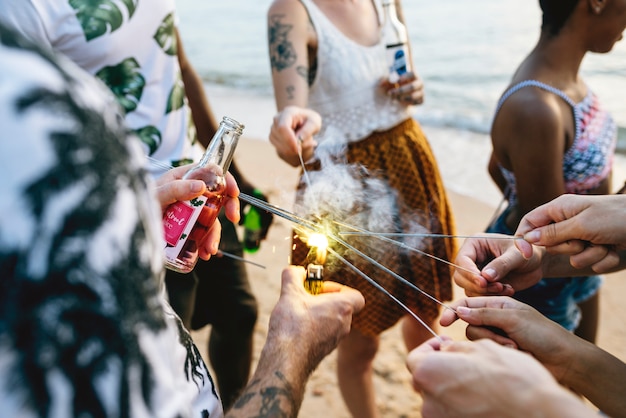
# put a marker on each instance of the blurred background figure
(330, 72)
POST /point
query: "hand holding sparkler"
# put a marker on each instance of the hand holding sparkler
(494, 266)
(292, 134)
(491, 379)
(484, 379)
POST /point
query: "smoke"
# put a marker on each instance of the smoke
(342, 195)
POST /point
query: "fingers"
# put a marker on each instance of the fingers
(292, 132)
(178, 190)
(352, 296)
(602, 259)
(231, 205)
(208, 245)
(474, 251)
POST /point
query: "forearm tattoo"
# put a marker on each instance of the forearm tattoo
(272, 398)
(281, 50)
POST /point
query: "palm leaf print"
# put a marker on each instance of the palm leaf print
(165, 35)
(125, 81)
(176, 99)
(97, 17)
(150, 136)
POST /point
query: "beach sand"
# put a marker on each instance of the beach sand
(395, 396)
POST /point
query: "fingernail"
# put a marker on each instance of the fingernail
(463, 310)
(195, 186)
(490, 273)
(533, 236)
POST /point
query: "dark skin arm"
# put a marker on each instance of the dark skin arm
(529, 138)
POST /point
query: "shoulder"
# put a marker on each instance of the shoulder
(292, 9)
(530, 109)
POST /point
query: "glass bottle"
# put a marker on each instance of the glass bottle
(188, 222)
(253, 226)
(396, 40)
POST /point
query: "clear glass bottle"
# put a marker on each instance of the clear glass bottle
(188, 222)
(396, 40)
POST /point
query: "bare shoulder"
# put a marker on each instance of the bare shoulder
(286, 7)
(531, 113)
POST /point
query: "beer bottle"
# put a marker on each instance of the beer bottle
(252, 226)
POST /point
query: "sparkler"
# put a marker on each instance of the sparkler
(382, 289)
(236, 257)
(423, 235)
(315, 270)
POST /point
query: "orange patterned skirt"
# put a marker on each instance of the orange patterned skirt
(400, 158)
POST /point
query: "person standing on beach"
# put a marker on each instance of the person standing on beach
(330, 71)
(551, 136)
(135, 48)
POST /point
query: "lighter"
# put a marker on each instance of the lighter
(314, 279)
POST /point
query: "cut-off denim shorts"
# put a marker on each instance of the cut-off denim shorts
(556, 298)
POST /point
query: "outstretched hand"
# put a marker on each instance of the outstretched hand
(292, 133)
(483, 379)
(493, 265)
(591, 229)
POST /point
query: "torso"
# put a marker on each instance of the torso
(349, 62)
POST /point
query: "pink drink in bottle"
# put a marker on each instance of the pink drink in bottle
(186, 223)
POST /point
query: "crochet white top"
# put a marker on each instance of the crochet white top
(345, 91)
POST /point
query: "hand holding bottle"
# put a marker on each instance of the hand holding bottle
(171, 187)
(188, 223)
(409, 89)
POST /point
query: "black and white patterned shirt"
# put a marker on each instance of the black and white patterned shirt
(84, 326)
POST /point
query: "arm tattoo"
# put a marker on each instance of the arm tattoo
(290, 91)
(303, 71)
(282, 53)
(271, 399)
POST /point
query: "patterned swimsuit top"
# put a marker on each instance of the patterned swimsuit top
(590, 158)
(345, 91)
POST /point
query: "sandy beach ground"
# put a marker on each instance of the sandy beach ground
(473, 205)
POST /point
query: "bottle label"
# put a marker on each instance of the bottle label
(397, 56)
(178, 221)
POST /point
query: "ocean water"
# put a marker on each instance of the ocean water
(466, 52)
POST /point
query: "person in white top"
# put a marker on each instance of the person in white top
(369, 167)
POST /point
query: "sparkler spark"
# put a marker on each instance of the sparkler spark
(314, 230)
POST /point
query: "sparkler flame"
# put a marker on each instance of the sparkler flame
(318, 243)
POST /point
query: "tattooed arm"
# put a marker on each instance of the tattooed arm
(303, 329)
(291, 37)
